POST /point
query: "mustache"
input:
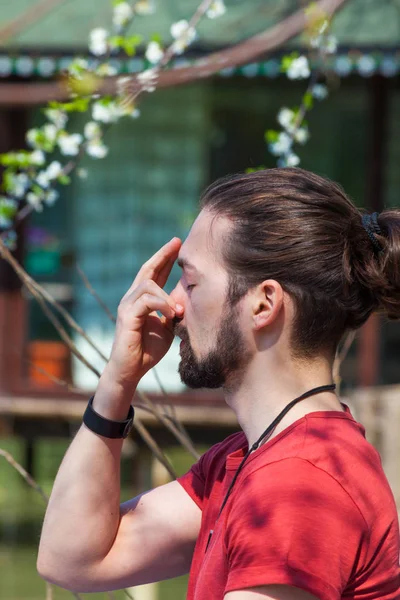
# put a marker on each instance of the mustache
(179, 330)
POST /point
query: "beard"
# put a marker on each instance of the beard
(223, 364)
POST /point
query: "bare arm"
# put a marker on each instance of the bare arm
(89, 542)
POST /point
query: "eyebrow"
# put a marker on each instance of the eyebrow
(183, 263)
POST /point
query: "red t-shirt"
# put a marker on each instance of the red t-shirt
(311, 508)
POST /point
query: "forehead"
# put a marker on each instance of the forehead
(204, 243)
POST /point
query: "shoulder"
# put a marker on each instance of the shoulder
(294, 486)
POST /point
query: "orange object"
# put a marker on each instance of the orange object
(49, 358)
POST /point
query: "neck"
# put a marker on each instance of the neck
(265, 389)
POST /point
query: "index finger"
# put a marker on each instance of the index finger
(160, 264)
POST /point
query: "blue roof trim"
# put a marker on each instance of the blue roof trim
(366, 64)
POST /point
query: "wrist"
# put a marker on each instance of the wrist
(112, 399)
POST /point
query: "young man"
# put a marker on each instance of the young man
(277, 267)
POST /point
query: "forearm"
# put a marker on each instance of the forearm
(82, 517)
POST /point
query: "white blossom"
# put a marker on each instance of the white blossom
(302, 135)
(32, 137)
(96, 149)
(282, 145)
(35, 201)
(77, 66)
(42, 179)
(145, 7)
(19, 184)
(122, 14)
(183, 35)
(98, 41)
(51, 197)
(319, 91)
(69, 144)
(217, 8)
(92, 130)
(106, 113)
(330, 44)
(292, 160)
(50, 131)
(58, 117)
(38, 158)
(299, 68)
(148, 79)
(54, 170)
(154, 52)
(286, 118)
(105, 70)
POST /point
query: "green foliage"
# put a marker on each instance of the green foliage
(287, 61)
(127, 44)
(76, 105)
(20, 159)
(156, 37)
(308, 100)
(64, 179)
(271, 136)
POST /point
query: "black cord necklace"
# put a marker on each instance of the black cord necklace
(269, 430)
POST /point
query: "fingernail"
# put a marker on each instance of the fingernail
(179, 307)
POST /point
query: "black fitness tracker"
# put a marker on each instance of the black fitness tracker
(106, 427)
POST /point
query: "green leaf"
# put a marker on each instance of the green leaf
(156, 37)
(287, 61)
(7, 211)
(308, 100)
(77, 105)
(271, 136)
(64, 179)
(116, 41)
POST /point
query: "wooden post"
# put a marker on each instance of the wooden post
(391, 439)
(12, 304)
(368, 348)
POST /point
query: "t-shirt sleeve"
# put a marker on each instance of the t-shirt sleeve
(294, 524)
(193, 482)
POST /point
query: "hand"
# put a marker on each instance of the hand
(142, 338)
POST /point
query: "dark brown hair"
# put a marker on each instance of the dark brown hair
(303, 231)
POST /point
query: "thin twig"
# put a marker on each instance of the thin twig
(53, 378)
(30, 16)
(93, 292)
(154, 447)
(31, 283)
(187, 443)
(24, 474)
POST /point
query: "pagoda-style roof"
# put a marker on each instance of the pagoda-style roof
(66, 27)
(368, 33)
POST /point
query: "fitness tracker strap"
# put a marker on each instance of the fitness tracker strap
(106, 427)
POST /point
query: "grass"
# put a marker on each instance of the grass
(22, 511)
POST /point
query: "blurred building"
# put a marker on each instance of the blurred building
(146, 190)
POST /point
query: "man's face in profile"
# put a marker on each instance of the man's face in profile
(213, 349)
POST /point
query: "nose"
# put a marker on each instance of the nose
(178, 294)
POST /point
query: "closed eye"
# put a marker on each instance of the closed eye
(189, 287)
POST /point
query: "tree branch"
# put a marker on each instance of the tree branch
(259, 45)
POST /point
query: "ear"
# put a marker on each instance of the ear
(267, 303)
